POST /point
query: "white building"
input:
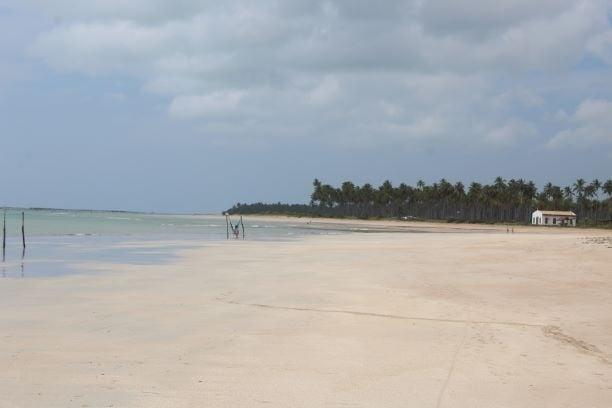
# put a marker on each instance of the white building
(553, 218)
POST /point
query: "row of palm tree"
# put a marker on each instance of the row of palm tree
(501, 201)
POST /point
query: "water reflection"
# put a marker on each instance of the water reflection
(14, 266)
(56, 256)
(22, 260)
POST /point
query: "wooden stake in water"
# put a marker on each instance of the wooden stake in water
(226, 226)
(242, 225)
(23, 229)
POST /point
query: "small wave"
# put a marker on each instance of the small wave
(123, 218)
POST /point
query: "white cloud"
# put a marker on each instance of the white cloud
(518, 97)
(324, 92)
(191, 106)
(592, 126)
(601, 46)
(438, 71)
(485, 16)
(550, 42)
(140, 10)
(102, 47)
(510, 133)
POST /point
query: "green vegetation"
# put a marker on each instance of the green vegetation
(504, 201)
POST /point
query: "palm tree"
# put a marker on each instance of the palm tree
(328, 196)
(367, 198)
(557, 196)
(589, 191)
(548, 187)
(403, 192)
(315, 197)
(348, 192)
(401, 197)
(530, 190)
(385, 193)
(459, 191)
(500, 184)
(579, 188)
(607, 188)
(596, 185)
(475, 199)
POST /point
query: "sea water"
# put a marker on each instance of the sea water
(62, 242)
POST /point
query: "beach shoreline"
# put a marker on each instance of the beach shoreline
(423, 226)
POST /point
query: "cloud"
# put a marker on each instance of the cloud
(522, 97)
(137, 10)
(191, 106)
(592, 126)
(485, 17)
(453, 72)
(324, 92)
(601, 46)
(94, 48)
(510, 133)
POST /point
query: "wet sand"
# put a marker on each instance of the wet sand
(448, 319)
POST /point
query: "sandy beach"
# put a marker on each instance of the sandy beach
(463, 316)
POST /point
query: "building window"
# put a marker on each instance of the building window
(546, 220)
(554, 221)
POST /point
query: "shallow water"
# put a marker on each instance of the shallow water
(63, 242)
(83, 223)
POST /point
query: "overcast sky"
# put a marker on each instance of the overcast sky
(193, 105)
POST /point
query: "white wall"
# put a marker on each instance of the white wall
(538, 218)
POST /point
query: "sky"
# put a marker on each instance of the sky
(194, 105)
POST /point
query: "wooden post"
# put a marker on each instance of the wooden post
(242, 225)
(226, 226)
(23, 229)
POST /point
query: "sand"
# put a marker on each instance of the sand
(446, 319)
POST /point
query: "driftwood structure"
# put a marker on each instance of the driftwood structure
(235, 228)
(23, 239)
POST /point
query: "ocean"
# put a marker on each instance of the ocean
(60, 242)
